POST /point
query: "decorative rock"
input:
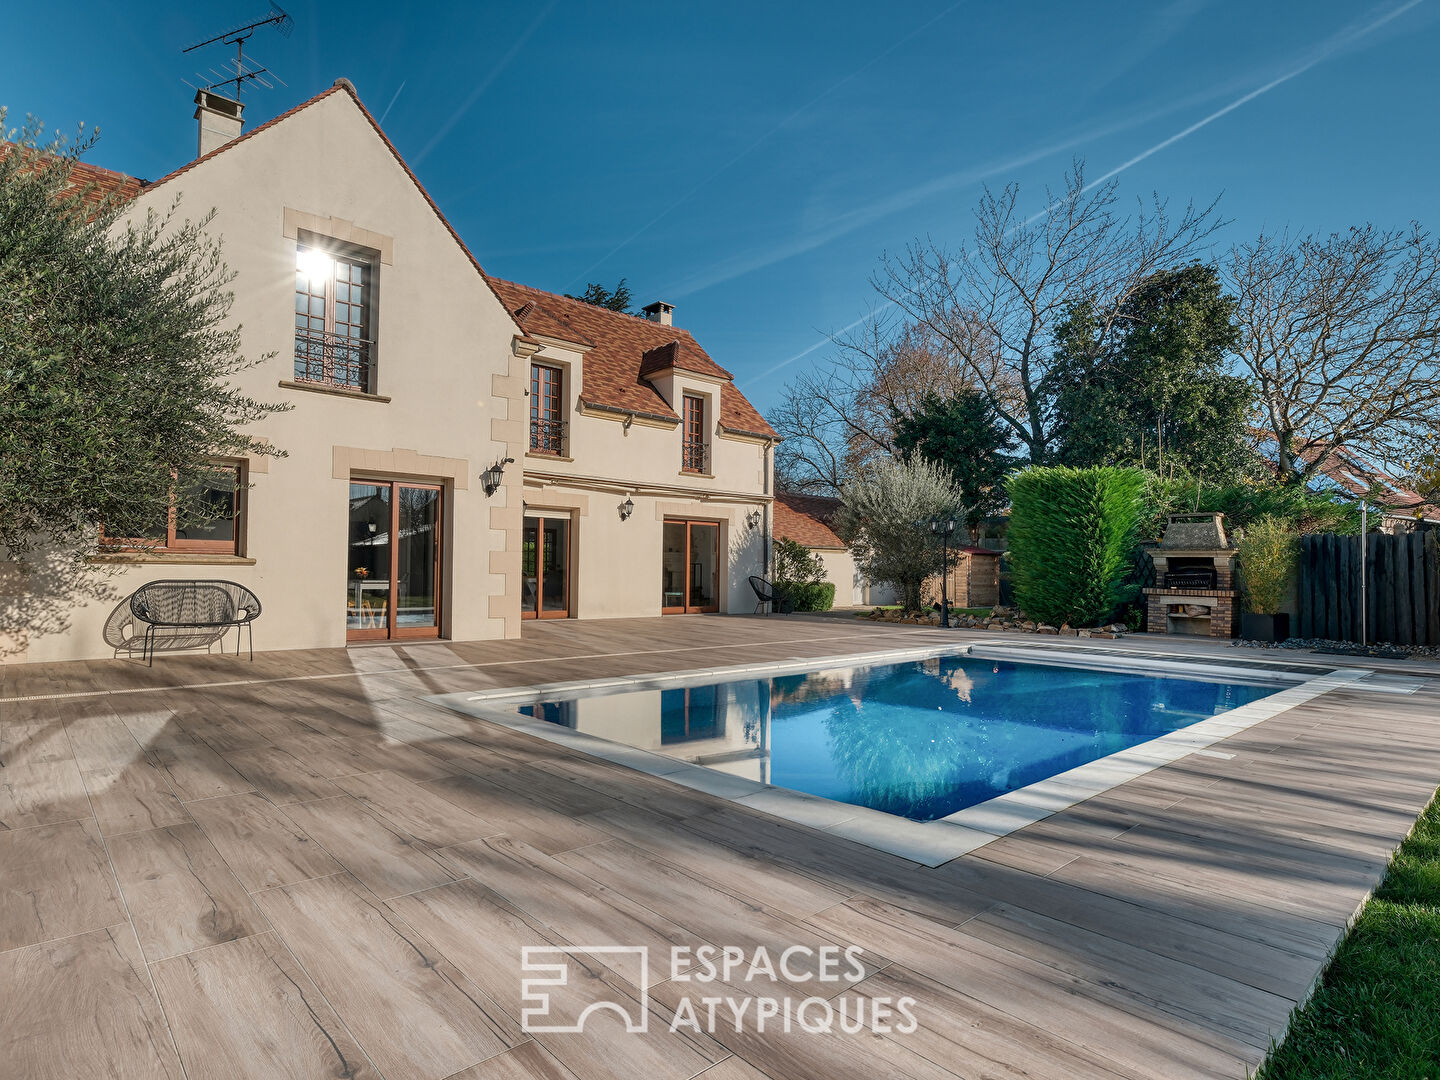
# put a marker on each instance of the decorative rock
(1066, 631)
(1044, 629)
(1084, 633)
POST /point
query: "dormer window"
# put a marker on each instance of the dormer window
(333, 295)
(547, 409)
(694, 448)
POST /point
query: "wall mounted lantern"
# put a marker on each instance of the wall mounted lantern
(627, 508)
(491, 478)
(753, 519)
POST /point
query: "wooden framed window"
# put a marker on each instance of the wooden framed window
(547, 405)
(216, 532)
(333, 296)
(695, 451)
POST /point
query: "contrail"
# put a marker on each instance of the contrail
(757, 144)
(394, 99)
(495, 73)
(1327, 50)
(842, 224)
(825, 341)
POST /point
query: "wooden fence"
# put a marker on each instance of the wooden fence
(1402, 597)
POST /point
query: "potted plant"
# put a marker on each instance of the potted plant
(1269, 560)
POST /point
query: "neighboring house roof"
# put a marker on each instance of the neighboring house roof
(806, 520)
(1348, 471)
(623, 351)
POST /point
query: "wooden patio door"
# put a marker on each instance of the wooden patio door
(545, 568)
(690, 567)
(393, 561)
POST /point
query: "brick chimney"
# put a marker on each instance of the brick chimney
(659, 312)
(220, 120)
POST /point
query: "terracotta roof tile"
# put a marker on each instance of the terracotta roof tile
(96, 184)
(624, 350)
(806, 520)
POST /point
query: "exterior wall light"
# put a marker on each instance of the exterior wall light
(627, 508)
(753, 519)
(491, 478)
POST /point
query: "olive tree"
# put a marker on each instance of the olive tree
(882, 516)
(115, 360)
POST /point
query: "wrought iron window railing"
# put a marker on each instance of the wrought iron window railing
(548, 436)
(695, 456)
(333, 360)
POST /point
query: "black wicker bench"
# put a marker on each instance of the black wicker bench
(178, 605)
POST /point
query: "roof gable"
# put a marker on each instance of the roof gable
(345, 87)
(625, 350)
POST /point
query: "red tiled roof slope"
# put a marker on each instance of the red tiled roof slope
(806, 519)
(95, 183)
(625, 349)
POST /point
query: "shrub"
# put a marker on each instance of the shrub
(1269, 561)
(806, 595)
(1072, 532)
(794, 562)
(1244, 504)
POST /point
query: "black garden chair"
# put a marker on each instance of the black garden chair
(182, 608)
(766, 593)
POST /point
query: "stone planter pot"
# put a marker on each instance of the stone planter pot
(1268, 628)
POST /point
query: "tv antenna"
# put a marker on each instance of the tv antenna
(245, 70)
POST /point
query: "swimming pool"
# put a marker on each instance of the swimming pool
(921, 739)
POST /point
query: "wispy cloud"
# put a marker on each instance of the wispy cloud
(484, 84)
(750, 149)
(1334, 45)
(861, 216)
(393, 99)
(1331, 46)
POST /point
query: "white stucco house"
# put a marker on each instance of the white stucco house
(463, 453)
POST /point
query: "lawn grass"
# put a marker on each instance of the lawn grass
(1377, 1011)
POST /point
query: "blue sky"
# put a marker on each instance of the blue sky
(750, 162)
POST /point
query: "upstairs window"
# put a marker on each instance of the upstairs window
(547, 403)
(694, 449)
(332, 319)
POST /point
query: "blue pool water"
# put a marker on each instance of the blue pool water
(921, 739)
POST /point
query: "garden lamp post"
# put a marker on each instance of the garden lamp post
(943, 527)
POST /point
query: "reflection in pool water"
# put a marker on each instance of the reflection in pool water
(921, 739)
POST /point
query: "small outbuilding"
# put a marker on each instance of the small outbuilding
(806, 519)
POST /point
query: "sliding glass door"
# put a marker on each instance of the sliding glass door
(690, 567)
(545, 568)
(393, 561)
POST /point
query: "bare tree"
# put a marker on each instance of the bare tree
(841, 415)
(995, 304)
(1342, 337)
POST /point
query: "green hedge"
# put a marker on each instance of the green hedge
(1071, 535)
(805, 596)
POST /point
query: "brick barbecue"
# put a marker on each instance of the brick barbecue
(1194, 589)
